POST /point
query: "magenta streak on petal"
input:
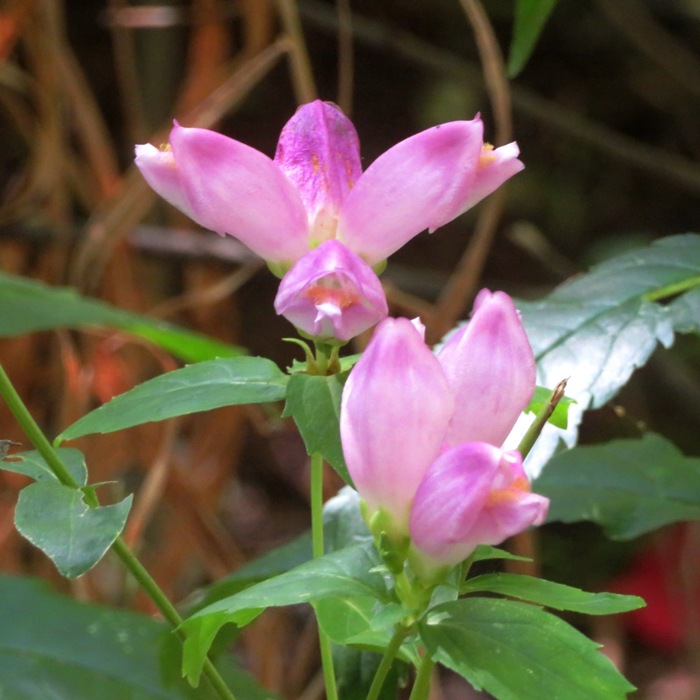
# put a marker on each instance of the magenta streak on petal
(319, 152)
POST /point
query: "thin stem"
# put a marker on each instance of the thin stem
(37, 438)
(119, 547)
(533, 432)
(318, 548)
(421, 688)
(385, 665)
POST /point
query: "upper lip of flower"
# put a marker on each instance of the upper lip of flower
(315, 189)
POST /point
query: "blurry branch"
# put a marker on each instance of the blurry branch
(636, 22)
(127, 73)
(346, 66)
(63, 112)
(494, 69)
(302, 76)
(117, 216)
(654, 161)
(464, 280)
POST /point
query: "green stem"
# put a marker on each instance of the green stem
(119, 547)
(421, 688)
(387, 660)
(318, 549)
(533, 432)
(672, 289)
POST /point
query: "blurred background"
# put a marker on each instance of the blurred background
(606, 114)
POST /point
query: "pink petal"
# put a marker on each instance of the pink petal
(420, 183)
(491, 368)
(331, 294)
(511, 507)
(450, 499)
(231, 188)
(474, 494)
(319, 151)
(495, 167)
(395, 409)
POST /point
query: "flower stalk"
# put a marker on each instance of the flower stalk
(119, 547)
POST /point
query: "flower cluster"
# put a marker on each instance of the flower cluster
(288, 209)
(422, 433)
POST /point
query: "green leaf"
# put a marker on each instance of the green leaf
(59, 648)
(599, 327)
(485, 551)
(517, 651)
(314, 403)
(560, 415)
(342, 526)
(28, 305)
(200, 387)
(33, 465)
(628, 487)
(530, 18)
(553, 595)
(74, 536)
(685, 312)
(348, 573)
(364, 623)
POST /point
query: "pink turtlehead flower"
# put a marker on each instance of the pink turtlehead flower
(330, 293)
(472, 494)
(420, 430)
(314, 188)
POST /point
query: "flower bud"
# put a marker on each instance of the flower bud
(331, 294)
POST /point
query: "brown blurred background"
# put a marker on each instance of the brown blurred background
(606, 114)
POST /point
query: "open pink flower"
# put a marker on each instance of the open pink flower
(421, 432)
(331, 294)
(314, 189)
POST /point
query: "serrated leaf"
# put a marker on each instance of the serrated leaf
(530, 18)
(685, 312)
(59, 648)
(348, 573)
(28, 305)
(200, 387)
(517, 651)
(552, 595)
(599, 327)
(314, 403)
(74, 536)
(628, 487)
(33, 465)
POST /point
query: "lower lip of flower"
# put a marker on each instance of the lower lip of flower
(330, 290)
(515, 489)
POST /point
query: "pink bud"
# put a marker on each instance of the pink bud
(331, 294)
(490, 367)
(319, 151)
(394, 413)
(473, 494)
